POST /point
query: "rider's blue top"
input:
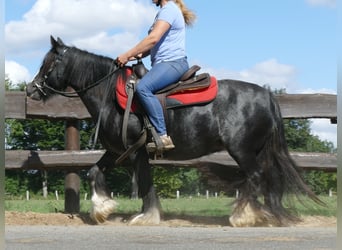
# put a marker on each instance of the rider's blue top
(172, 45)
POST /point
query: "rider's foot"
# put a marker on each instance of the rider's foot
(167, 144)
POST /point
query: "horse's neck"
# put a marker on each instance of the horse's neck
(95, 101)
(88, 71)
(96, 97)
(95, 84)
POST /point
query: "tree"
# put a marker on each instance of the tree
(299, 138)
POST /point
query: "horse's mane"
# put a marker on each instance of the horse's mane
(87, 68)
(87, 65)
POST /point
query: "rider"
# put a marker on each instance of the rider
(165, 43)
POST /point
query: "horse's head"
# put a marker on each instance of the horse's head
(50, 78)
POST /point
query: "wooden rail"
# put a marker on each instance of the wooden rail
(17, 106)
(84, 159)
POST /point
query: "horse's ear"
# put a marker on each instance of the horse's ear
(60, 42)
(56, 43)
(53, 42)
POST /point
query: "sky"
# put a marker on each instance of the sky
(285, 44)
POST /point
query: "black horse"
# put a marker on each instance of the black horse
(243, 119)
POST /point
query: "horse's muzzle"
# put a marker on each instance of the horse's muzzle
(35, 91)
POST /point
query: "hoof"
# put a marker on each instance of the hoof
(252, 216)
(102, 208)
(148, 218)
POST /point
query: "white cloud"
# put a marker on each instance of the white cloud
(82, 19)
(16, 72)
(102, 43)
(270, 72)
(326, 3)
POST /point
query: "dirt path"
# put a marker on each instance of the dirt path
(60, 219)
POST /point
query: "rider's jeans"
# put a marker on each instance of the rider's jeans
(161, 75)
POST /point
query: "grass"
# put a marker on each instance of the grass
(217, 207)
(311, 208)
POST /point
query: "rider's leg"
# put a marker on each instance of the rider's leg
(160, 76)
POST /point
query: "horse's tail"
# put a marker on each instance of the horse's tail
(282, 175)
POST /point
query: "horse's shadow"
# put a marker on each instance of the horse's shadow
(168, 219)
(173, 219)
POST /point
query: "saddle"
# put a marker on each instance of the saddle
(191, 89)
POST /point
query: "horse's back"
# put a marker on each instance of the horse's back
(244, 98)
(246, 91)
(240, 117)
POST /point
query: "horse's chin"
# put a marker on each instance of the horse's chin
(35, 97)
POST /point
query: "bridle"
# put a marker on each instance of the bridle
(41, 85)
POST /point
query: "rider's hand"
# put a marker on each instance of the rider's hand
(122, 60)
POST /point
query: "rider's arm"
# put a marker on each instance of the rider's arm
(145, 45)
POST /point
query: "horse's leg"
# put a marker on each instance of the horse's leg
(150, 212)
(248, 211)
(102, 203)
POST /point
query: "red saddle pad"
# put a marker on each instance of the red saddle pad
(183, 98)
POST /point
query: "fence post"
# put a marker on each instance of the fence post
(45, 184)
(72, 179)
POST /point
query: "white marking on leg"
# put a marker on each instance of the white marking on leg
(103, 206)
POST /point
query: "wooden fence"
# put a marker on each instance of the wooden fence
(292, 106)
(72, 110)
(17, 106)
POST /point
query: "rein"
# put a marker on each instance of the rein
(73, 94)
